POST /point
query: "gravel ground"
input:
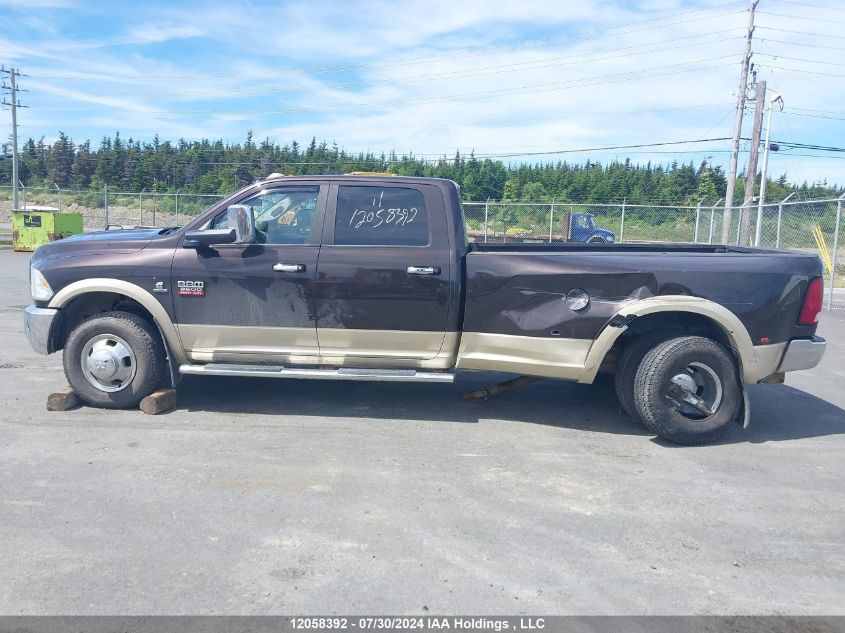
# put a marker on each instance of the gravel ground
(258, 497)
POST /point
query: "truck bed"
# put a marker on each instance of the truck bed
(520, 289)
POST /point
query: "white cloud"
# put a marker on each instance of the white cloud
(424, 75)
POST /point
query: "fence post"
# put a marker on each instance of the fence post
(742, 210)
(155, 205)
(697, 221)
(622, 221)
(780, 218)
(61, 201)
(177, 208)
(106, 203)
(551, 220)
(486, 205)
(23, 190)
(141, 207)
(835, 248)
(712, 220)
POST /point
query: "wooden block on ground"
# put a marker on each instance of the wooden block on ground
(159, 401)
(62, 400)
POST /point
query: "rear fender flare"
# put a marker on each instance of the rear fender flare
(146, 299)
(726, 320)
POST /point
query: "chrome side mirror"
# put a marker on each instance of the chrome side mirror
(241, 218)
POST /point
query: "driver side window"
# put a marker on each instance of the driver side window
(283, 215)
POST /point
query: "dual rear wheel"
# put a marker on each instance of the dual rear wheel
(685, 389)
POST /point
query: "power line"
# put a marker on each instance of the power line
(802, 71)
(810, 146)
(801, 17)
(816, 110)
(817, 156)
(771, 28)
(832, 48)
(801, 59)
(815, 116)
(603, 148)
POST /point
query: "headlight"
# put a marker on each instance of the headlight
(38, 286)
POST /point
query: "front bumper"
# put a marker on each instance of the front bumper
(803, 353)
(38, 325)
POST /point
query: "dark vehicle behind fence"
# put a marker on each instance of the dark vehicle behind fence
(373, 278)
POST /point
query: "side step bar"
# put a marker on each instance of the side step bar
(343, 373)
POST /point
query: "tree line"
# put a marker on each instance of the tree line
(216, 167)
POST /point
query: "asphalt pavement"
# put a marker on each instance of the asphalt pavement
(273, 496)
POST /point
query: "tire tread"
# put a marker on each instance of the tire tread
(648, 375)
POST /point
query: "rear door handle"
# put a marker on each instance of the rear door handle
(289, 268)
(423, 270)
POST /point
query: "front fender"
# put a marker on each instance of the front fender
(146, 299)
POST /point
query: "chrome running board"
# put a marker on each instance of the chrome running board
(343, 373)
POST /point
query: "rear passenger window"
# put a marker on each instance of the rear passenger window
(380, 216)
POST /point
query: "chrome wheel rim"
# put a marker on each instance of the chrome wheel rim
(695, 392)
(108, 363)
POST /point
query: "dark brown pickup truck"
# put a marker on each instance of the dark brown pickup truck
(372, 278)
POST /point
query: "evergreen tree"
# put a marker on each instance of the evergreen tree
(207, 166)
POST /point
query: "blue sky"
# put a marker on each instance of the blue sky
(503, 77)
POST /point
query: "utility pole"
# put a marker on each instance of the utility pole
(13, 104)
(751, 173)
(740, 110)
(773, 99)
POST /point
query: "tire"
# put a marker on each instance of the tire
(627, 365)
(127, 353)
(707, 369)
(596, 240)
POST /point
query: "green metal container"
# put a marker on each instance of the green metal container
(38, 225)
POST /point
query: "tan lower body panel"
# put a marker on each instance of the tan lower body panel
(208, 343)
(535, 356)
(551, 357)
(337, 347)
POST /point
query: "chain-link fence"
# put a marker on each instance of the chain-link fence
(107, 208)
(809, 225)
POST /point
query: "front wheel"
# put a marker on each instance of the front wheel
(687, 390)
(114, 360)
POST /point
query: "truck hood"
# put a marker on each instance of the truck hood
(120, 241)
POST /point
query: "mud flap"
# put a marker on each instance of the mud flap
(173, 374)
(744, 416)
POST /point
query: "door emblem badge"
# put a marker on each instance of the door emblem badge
(159, 287)
(190, 288)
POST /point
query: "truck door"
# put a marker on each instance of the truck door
(254, 302)
(384, 275)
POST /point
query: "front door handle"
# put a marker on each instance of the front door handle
(423, 270)
(289, 268)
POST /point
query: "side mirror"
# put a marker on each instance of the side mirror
(209, 237)
(242, 220)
